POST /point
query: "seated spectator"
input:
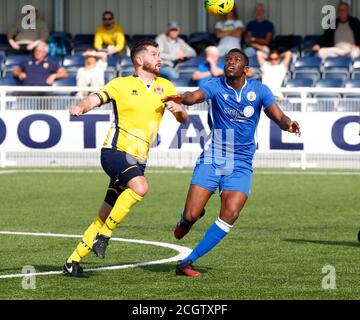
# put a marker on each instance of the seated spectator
(39, 70)
(93, 72)
(109, 37)
(229, 31)
(342, 41)
(213, 67)
(173, 51)
(274, 70)
(259, 33)
(25, 40)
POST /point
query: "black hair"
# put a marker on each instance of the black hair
(246, 58)
(108, 12)
(140, 46)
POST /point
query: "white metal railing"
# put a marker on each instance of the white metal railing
(296, 99)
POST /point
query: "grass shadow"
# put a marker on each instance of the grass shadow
(326, 242)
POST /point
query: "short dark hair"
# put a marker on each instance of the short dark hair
(246, 58)
(140, 46)
(109, 13)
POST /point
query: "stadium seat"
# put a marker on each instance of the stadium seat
(288, 42)
(308, 43)
(4, 43)
(109, 75)
(352, 84)
(83, 41)
(356, 75)
(13, 60)
(300, 82)
(182, 82)
(113, 63)
(336, 75)
(307, 63)
(307, 74)
(9, 81)
(200, 40)
(126, 66)
(328, 83)
(136, 37)
(65, 82)
(191, 63)
(73, 61)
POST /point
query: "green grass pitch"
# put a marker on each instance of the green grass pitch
(292, 226)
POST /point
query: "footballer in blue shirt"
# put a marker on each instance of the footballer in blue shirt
(226, 161)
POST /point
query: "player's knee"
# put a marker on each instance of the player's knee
(141, 189)
(230, 215)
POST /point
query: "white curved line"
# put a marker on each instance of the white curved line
(183, 252)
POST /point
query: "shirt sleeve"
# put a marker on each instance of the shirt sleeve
(98, 40)
(108, 92)
(209, 88)
(120, 39)
(267, 96)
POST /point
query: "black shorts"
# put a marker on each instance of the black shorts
(120, 167)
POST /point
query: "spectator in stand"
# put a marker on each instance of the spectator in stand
(229, 31)
(25, 40)
(110, 36)
(274, 70)
(212, 67)
(259, 33)
(93, 72)
(173, 51)
(342, 41)
(39, 70)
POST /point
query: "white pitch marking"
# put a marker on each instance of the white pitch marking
(183, 252)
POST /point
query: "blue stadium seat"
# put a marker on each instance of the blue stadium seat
(352, 84)
(182, 82)
(4, 43)
(191, 63)
(9, 81)
(308, 43)
(65, 82)
(307, 74)
(136, 37)
(13, 60)
(83, 41)
(356, 75)
(330, 83)
(109, 75)
(113, 63)
(300, 82)
(73, 61)
(307, 63)
(126, 66)
(343, 76)
(337, 63)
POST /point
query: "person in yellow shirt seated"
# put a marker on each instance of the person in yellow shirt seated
(109, 37)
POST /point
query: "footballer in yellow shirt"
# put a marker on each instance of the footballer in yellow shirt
(138, 110)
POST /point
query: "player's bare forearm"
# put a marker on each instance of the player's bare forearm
(282, 120)
(85, 105)
(187, 98)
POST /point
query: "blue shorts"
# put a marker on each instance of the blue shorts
(211, 178)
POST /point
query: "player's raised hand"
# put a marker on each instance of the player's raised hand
(76, 110)
(177, 99)
(294, 128)
(173, 107)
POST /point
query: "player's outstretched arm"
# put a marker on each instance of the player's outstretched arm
(85, 105)
(282, 120)
(187, 98)
(178, 111)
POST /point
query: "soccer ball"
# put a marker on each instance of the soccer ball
(219, 7)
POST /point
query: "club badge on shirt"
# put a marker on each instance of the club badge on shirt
(46, 65)
(159, 90)
(251, 96)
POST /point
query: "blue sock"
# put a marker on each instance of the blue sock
(212, 237)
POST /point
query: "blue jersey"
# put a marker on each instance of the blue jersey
(233, 118)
